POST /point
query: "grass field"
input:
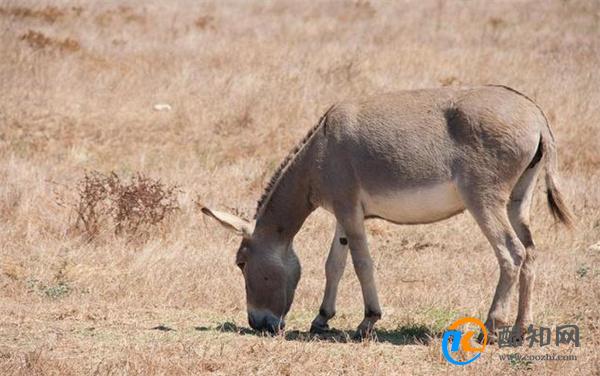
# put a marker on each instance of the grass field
(244, 81)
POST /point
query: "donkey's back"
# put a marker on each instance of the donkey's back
(414, 156)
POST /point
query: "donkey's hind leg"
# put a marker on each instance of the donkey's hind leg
(518, 212)
(334, 269)
(491, 215)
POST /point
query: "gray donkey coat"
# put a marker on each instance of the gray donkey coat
(408, 157)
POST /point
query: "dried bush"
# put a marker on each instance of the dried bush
(39, 41)
(205, 23)
(93, 205)
(49, 14)
(141, 202)
(130, 206)
(36, 39)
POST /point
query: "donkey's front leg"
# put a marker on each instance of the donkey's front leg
(334, 269)
(363, 265)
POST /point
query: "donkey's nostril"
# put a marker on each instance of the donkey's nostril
(274, 324)
(256, 321)
(265, 321)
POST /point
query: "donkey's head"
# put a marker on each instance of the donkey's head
(270, 268)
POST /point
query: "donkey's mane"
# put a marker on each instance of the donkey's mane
(288, 162)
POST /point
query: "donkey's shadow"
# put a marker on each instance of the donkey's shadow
(403, 335)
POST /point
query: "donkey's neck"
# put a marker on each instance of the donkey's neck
(290, 202)
(291, 195)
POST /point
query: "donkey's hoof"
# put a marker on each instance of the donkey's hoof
(316, 328)
(515, 337)
(491, 338)
(363, 334)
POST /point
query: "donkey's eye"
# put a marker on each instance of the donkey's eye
(241, 265)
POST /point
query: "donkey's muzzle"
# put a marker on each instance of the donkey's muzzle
(266, 322)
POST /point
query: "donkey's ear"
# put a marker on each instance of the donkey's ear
(238, 225)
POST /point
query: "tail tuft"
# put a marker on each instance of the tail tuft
(558, 208)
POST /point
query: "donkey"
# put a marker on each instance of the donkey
(410, 157)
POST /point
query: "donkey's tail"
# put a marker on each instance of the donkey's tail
(556, 202)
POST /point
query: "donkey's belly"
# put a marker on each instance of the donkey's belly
(414, 205)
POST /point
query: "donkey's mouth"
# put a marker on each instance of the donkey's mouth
(266, 323)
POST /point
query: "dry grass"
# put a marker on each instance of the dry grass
(245, 80)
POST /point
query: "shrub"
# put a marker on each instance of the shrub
(130, 206)
(142, 202)
(39, 41)
(93, 205)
